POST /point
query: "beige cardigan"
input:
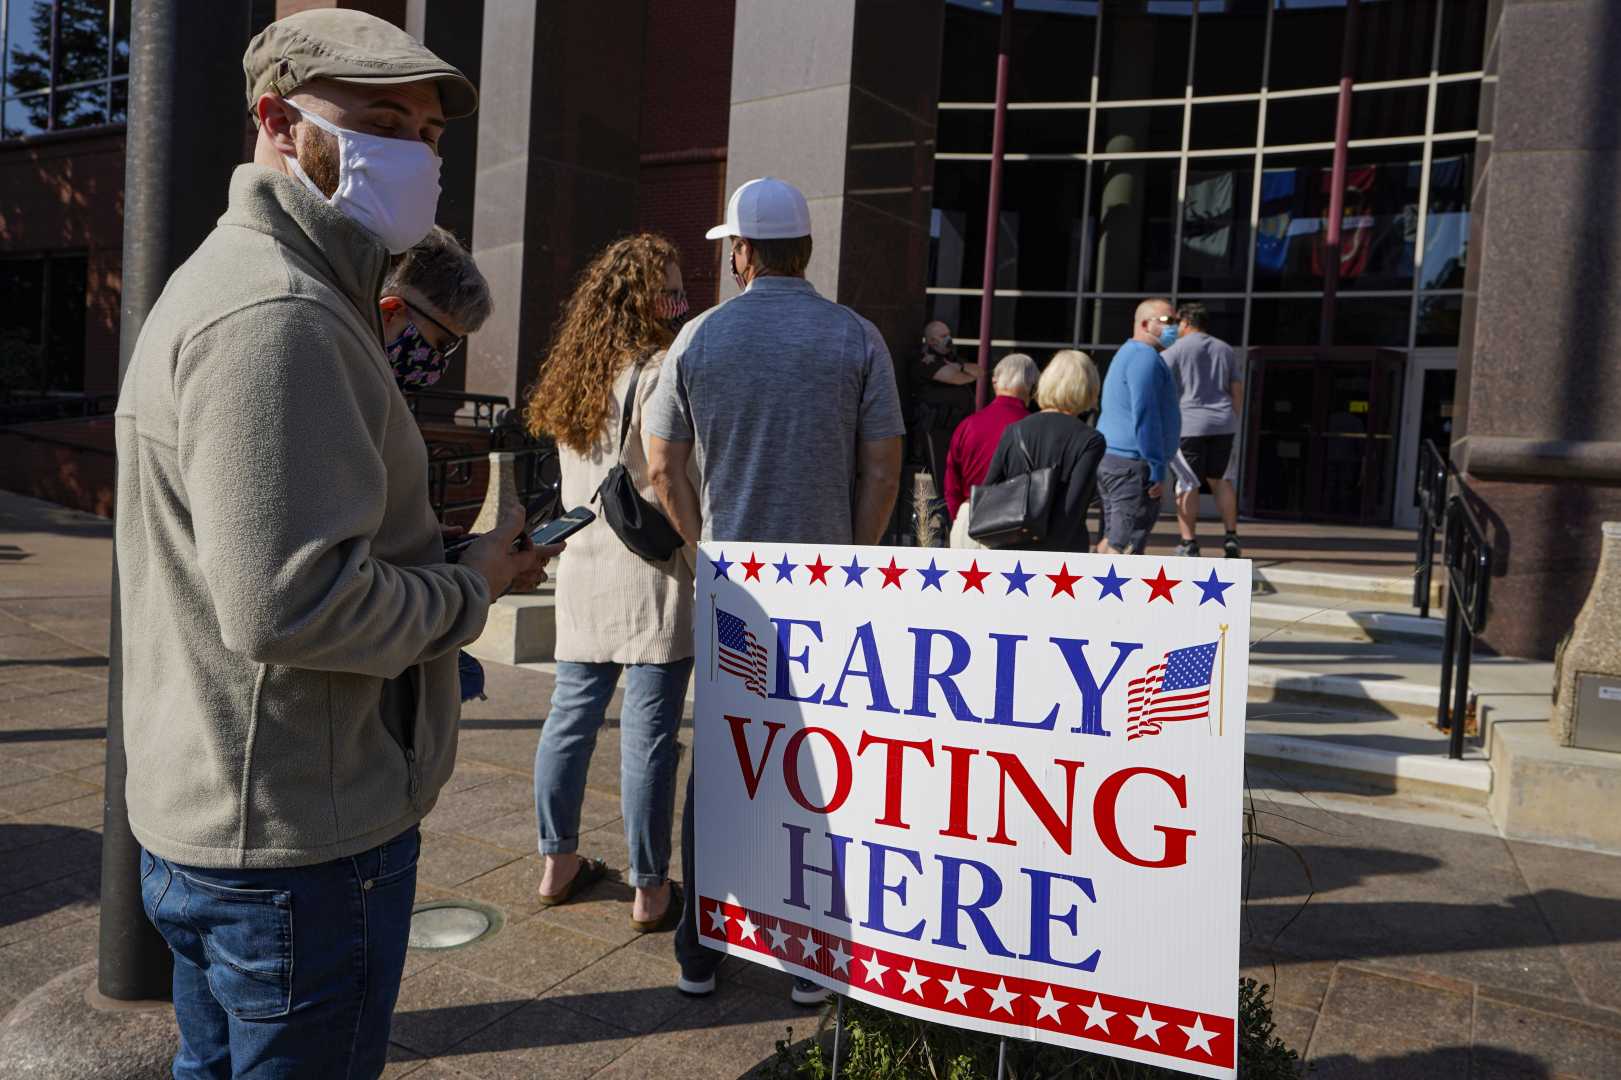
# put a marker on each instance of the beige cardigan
(613, 605)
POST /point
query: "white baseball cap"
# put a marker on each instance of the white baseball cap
(765, 209)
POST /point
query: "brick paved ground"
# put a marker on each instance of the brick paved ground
(1425, 952)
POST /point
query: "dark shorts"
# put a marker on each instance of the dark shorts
(1128, 511)
(1208, 455)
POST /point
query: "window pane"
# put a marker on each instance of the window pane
(65, 356)
(1039, 244)
(1439, 318)
(1226, 126)
(1384, 114)
(1285, 322)
(1395, 39)
(28, 45)
(1046, 131)
(83, 39)
(1232, 43)
(1124, 131)
(1305, 44)
(1134, 205)
(26, 116)
(121, 37)
(1301, 120)
(120, 107)
(1380, 320)
(1111, 320)
(1457, 106)
(1463, 39)
(1145, 52)
(1378, 230)
(968, 53)
(1023, 319)
(22, 283)
(964, 131)
(1052, 52)
(1215, 224)
(1446, 229)
(81, 106)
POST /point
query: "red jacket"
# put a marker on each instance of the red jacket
(973, 445)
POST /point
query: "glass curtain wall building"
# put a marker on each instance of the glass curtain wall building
(1183, 149)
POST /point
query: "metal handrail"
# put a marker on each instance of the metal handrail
(485, 406)
(1469, 575)
(535, 480)
(1434, 474)
(29, 409)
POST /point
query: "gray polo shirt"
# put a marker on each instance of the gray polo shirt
(1205, 369)
(776, 388)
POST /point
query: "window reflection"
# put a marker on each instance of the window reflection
(1215, 224)
(1041, 238)
(1228, 125)
(1446, 229)
(1145, 50)
(1134, 205)
(1126, 131)
(1378, 229)
(1232, 46)
(66, 64)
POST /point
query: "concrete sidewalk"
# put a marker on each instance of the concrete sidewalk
(1423, 951)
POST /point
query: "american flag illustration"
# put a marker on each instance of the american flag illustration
(1176, 688)
(740, 653)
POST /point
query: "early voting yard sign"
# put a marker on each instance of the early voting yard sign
(998, 790)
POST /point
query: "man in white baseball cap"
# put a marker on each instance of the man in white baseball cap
(787, 403)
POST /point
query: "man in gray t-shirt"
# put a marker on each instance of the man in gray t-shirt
(1211, 387)
(789, 403)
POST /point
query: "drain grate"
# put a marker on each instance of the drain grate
(450, 924)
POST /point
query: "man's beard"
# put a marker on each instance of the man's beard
(318, 157)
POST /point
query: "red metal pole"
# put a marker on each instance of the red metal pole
(993, 208)
(1336, 184)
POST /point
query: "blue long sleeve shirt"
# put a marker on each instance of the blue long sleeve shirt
(1141, 417)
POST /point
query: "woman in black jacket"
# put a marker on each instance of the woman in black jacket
(1056, 436)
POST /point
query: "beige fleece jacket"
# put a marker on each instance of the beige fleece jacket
(290, 626)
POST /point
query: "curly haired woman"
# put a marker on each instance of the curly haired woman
(615, 610)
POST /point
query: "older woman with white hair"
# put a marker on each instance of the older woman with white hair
(973, 444)
(1057, 437)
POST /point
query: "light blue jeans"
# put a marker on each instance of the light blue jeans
(649, 720)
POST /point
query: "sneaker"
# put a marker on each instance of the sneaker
(1189, 548)
(695, 987)
(1230, 546)
(808, 993)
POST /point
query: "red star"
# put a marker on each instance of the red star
(818, 571)
(973, 576)
(751, 567)
(892, 574)
(1064, 581)
(1161, 587)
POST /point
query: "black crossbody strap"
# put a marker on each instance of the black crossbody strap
(630, 403)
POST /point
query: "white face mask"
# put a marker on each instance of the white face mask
(389, 187)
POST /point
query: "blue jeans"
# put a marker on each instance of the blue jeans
(647, 758)
(287, 972)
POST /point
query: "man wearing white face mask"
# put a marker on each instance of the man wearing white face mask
(290, 691)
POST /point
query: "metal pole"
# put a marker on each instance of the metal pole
(185, 135)
(1450, 646)
(1336, 186)
(838, 1030)
(993, 208)
(1001, 1057)
(1460, 693)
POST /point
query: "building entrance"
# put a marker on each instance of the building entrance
(1322, 434)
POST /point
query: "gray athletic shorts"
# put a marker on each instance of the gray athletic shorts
(1128, 513)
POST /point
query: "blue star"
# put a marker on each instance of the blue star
(1016, 579)
(1212, 589)
(785, 569)
(1112, 584)
(932, 575)
(853, 572)
(721, 567)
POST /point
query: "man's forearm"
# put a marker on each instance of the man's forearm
(667, 470)
(878, 481)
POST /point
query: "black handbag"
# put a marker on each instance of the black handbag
(639, 524)
(1015, 511)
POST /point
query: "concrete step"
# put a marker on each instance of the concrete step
(1360, 693)
(520, 629)
(1424, 770)
(1301, 579)
(1356, 619)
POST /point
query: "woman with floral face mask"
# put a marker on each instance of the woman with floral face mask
(432, 298)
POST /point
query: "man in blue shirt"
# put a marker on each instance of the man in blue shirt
(1141, 421)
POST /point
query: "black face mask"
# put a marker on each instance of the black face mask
(736, 277)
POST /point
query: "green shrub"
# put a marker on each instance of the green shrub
(881, 1045)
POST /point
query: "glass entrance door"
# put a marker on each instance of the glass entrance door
(1432, 379)
(1323, 434)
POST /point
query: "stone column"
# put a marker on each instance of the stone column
(557, 159)
(838, 98)
(1539, 385)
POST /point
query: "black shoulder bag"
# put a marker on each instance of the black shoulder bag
(639, 524)
(1013, 511)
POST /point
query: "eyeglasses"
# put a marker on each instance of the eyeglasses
(1163, 320)
(456, 340)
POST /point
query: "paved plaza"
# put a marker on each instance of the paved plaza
(1424, 951)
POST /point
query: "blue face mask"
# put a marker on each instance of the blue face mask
(1167, 336)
